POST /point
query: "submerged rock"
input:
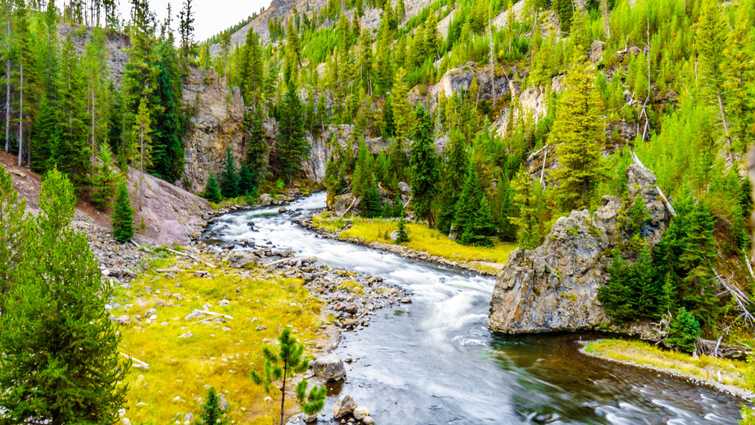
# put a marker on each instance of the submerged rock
(554, 287)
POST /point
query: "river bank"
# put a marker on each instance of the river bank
(425, 244)
(405, 366)
(728, 376)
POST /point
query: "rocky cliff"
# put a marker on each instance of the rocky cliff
(554, 287)
(216, 124)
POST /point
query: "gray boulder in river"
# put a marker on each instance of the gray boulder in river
(554, 287)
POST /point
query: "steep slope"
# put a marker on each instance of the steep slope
(168, 214)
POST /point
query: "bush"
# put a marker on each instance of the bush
(683, 332)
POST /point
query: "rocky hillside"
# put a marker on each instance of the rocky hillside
(168, 215)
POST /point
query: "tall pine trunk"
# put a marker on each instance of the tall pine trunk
(21, 115)
(7, 93)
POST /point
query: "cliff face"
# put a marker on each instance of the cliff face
(554, 287)
(216, 125)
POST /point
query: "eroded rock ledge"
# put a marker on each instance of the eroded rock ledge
(554, 287)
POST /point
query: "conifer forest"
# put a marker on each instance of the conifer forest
(402, 212)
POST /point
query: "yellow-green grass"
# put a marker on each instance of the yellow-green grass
(421, 238)
(713, 370)
(185, 356)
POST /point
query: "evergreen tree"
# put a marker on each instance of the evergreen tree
(528, 196)
(104, 179)
(684, 331)
(283, 364)
(256, 146)
(229, 179)
(247, 185)
(123, 214)
(292, 148)
(212, 190)
(579, 136)
(685, 255)
(212, 413)
(564, 9)
(73, 152)
(363, 177)
(167, 146)
(13, 232)
(424, 167)
(454, 169)
(402, 236)
(60, 361)
(371, 205)
(186, 21)
(473, 222)
(738, 70)
(403, 117)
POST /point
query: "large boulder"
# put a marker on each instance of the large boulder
(329, 368)
(554, 287)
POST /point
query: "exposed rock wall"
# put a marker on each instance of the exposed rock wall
(216, 125)
(554, 287)
(165, 214)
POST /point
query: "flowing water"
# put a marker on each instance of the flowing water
(435, 361)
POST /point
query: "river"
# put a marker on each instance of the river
(435, 361)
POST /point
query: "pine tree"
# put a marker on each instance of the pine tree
(229, 179)
(371, 205)
(256, 146)
(212, 413)
(186, 30)
(710, 43)
(292, 147)
(579, 136)
(363, 177)
(212, 190)
(473, 222)
(402, 236)
(60, 361)
(123, 214)
(283, 364)
(167, 146)
(403, 117)
(247, 185)
(424, 167)
(454, 168)
(685, 254)
(564, 9)
(97, 92)
(103, 180)
(684, 331)
(738, 70)
(14, 232)
(73, 152)
(528, 197)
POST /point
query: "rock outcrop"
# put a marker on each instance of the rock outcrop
(554, 287)
(165, 214)
(457, 80)
(216, 125)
